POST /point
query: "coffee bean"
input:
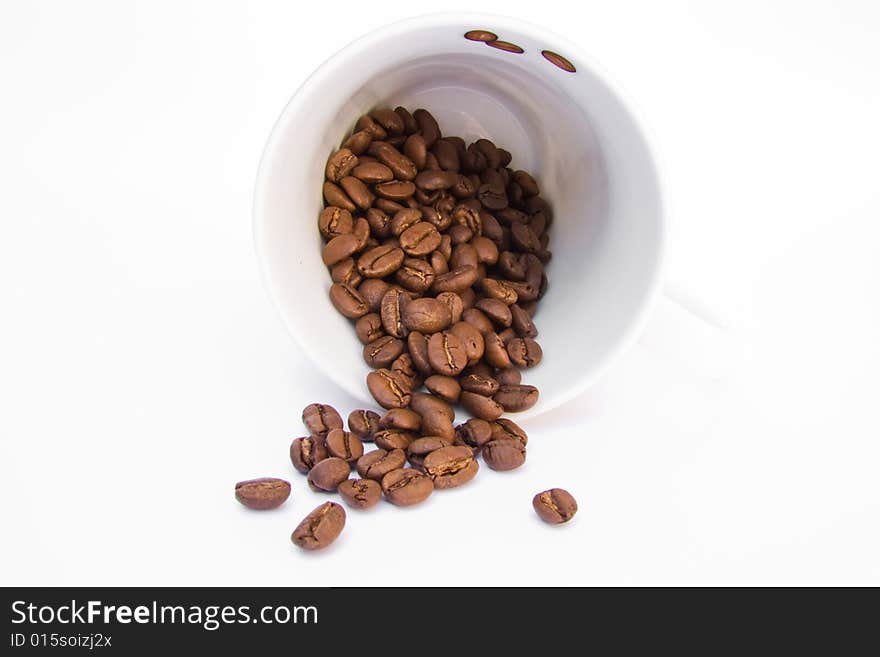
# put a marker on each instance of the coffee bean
(481, 406)
(454, 303)
(447, 155)
(509, 376)
(492, 197)
(372, 172)
(435, 179)
(320, 528)
(490, 151)
(460, 234)
(358, 142)
(507, 335)
(487, 251)
(526, 182)
(380, 261)
(524, 290)
(320, 419)
(262, 494)
(340, 164)
(555, 506)
(504, 454)
(306, 452)
(396, 190)
(428, 126)
(516, 398)
(426, 315)
(478, 320)
(360, 493)
(495, 310)
(369, 328)
(449, 467)
(372, 290)
(417, 344)
(367, 123)
(409, 123)
(390, 439)
(455, 280)
(326, 475)
(524, 352)
(481, 369)
(348, 301)
(405, 487)
(343, 445)
(363, 424)
(339, 248)
(491, 228)
(334, 221)
(495, 352)
(524, 238)
(445, 387)
(415, 275)
(481, 385)
(501, 290)
(334, 195)
(392, 311)
(522, 322)
(464, 255)
(401, 418)
(388, 389)
(358, 192)
(420, 239)
(403, 219)
(446, 353)
(383, 351)
(421, 447)
(474, 433)
(389, 120)
(345, 271)
(379, 462)
(505, 429)
(512, 265)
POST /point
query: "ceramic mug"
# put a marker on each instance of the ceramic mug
(538, 96)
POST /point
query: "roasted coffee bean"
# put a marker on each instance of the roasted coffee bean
(426, 405)
(438, 263)
(446, 353)
(525, 291)
(460, 234)
(445, 387)
(401, 418)
(363, 424)
(481, 369)
(334, 196)
(509, 376)
(376, 464)
(390, 439)
(380, 261)
(419, 239)
(526, 182)
(491, 228)
(369, 328)
(414, 148)
(516, 398)
(404, 168)
(404, 219)
(495, 352)
(463, 188)
(511, 216)
(343, 445)
(435, 179)
(555, 506)
(481, 385)
(372, 291)
(340, 164)
(348, 301)
(421, 447)
(396, 190)
(326, 475)
(403, 365)
(380, 222)
(477, 318)
(383, 351)
(474, 161)
(372, 172)
(501, 290)
(512, 265)
(522, 322)
(320, 528)
(389, 120)
(262, 494)
(409, 123)
(405, 487)
(480, 406)
(505, 429)
(538, 224)
(524, 238)
(529, 306)
(392, 311)
(474, 433)
(447, 155)
(504, 454)
(496, 310)
(489, 151)
(487, 251)
(320, 419)
(453, 302)
(360, 493)
(388, 389)
(456, 280)
(450, 466)
(415, 275)
(306, 452)
(357, 191)
(367, 123)
(440, 221)
(515, 194)
(339, 248)
(524, 352)
(507, 335)
(358, 142)
(428, 126)
(426, 315)
(388, 206)
(493, 197)
(334, 221)
(472, 340)
(417, 345)
(463, 255)
(345, 271)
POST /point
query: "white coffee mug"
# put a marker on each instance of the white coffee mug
(571, 129)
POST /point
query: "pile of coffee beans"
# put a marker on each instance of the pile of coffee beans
(436, 251)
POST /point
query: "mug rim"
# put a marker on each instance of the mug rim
(270, 153)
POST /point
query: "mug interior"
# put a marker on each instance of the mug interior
(569, 129)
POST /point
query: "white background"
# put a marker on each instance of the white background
(143, 371)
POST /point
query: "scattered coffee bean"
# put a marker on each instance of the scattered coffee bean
(320, 528)
(450, 466)
(320, 419)
(341, 444)
(262, 494)
(326, 475)
(555, 506)
(474, 433)
(379, 462)
(516, 398)
(505, 429)
(363, 424)
(503, 454)
(306, 452)
(405, 487)
(401, 418)
(360, 493)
